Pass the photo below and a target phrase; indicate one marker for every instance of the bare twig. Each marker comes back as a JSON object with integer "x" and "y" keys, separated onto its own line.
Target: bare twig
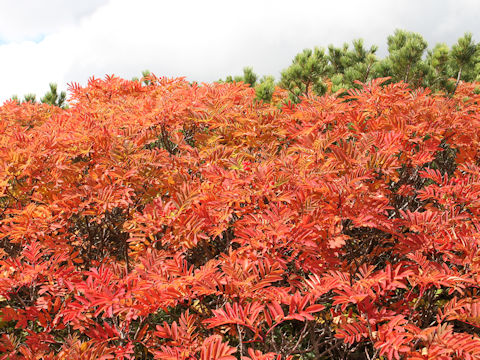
{"x": 300, "y": 338}
{"x": 240, "y": 341}
{"x": 370, "y": 332}
{"x": 333, "y": 347}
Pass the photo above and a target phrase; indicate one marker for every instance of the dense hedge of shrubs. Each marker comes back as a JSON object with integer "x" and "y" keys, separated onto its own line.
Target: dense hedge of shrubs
{"x": 171, "y": 220}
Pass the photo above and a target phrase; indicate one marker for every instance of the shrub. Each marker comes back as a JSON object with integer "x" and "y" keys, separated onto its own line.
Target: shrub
{"x": 171, "y": 220}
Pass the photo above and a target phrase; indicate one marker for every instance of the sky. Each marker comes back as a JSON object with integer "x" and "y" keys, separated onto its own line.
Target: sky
{"x": 65, "y": 41}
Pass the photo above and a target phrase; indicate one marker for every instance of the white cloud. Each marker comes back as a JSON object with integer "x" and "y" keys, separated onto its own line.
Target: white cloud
{"x": 202, "y": 40}
{"x": 32, "y": 20}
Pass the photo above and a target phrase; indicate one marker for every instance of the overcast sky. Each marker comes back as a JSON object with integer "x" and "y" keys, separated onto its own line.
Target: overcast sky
{"x": 67, "y": 41}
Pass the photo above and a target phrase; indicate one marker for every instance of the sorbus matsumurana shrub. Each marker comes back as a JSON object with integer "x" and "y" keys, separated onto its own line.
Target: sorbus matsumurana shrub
{"x": 172, "y": 220}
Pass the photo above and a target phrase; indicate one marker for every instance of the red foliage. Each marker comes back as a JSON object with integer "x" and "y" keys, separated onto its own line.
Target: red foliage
{"x": 184, "y": 221}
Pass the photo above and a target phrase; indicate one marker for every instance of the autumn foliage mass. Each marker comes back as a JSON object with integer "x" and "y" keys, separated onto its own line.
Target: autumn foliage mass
{"x": 169, "y": 220}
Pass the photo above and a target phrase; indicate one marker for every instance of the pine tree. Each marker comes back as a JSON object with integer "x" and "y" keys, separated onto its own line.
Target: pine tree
{"x": 350, "y": 65}
{"x": 30, "y": 98}
{"x": 306, "y": 74}
{"x": 404, "y": 62}
{"x": 27, "y": 98}
{"x": 440, "y": 71}
{"x": 146, "y": 77}
{"x": 52, "y": 97}
{"x": 248, "y": 77}
{"x": 265, "y": 88}
{"x": 464, "y": 56}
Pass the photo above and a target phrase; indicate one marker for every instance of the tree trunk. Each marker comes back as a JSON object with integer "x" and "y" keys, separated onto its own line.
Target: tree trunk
{"x": 458, "y": 80}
